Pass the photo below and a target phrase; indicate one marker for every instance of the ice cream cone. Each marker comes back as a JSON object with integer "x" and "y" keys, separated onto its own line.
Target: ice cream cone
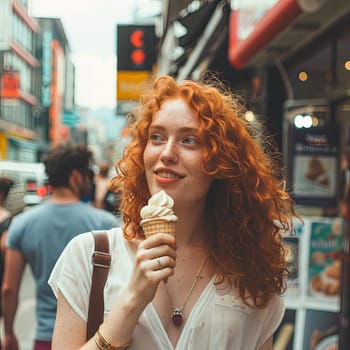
{"x": 156, "y": 226}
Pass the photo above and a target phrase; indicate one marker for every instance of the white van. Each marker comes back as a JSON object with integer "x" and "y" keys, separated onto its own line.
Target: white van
{"x": 30, "y": 184}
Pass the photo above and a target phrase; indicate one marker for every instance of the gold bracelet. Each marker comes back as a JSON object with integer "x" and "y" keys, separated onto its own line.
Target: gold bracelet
{"x": 103, "y": 344}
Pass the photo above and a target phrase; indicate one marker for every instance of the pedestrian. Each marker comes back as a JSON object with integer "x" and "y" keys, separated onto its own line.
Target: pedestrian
{"x": 5, "y": 219}
{"x": 217, "y": 283}
{"x": 101, "y": 185}
{"x": 39, "y": 235}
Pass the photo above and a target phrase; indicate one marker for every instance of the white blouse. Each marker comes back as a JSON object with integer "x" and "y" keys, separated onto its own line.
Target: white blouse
{"x": 215, "y": 322}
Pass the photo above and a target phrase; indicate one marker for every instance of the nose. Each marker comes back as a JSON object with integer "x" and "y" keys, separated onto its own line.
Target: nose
{"x": 169, "y": 152}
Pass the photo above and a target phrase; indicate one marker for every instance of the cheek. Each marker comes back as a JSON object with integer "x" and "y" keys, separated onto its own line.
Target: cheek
{"x": 148, "y": 157}
{"x": 206, "y": 181}
{"x": 203, "y": 179}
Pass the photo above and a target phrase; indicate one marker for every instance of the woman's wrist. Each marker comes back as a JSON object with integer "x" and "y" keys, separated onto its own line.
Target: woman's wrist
{"x": 104, "y": 344}
{"x": 132, "y": 302}
{"x": 119, "y": 326}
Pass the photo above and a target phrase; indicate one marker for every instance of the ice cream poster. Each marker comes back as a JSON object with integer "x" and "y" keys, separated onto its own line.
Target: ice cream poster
{"x": 314, "y": 166}
{"x": 325, "y": 256}
{"x": 291, "y": 245}
{"x": 321, "y": 331}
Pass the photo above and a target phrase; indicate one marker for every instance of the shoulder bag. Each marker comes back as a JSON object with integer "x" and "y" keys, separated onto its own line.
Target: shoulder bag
{"x": 101, "y": 260}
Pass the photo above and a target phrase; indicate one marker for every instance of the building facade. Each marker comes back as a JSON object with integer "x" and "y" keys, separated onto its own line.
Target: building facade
{"x": 37, "y": 101}
{"x": 56, "y": 78}
{"x": 19, "y": 96}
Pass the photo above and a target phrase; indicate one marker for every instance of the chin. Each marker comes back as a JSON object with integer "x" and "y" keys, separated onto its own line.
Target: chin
{"x": 157, "y": 189}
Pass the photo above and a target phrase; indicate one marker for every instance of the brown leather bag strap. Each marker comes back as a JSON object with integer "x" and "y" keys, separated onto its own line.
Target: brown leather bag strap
{"x": 101, "y": 261}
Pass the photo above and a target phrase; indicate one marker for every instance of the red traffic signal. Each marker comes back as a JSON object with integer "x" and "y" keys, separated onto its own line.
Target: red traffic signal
{"x": 137, "y": 55}
{"x": 136, "y": 38}
{"x": 136, "y": 47}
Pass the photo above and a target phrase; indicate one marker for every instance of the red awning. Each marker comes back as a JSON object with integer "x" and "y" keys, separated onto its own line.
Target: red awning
{"x": 278, "y": 18}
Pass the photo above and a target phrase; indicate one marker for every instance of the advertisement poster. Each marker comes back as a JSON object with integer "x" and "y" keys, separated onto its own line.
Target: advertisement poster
{"x": 314, "y": 166}
{"x": 325, "y": 259}
{"x": 321, "y": 330}
{"x": 291, "y": 245}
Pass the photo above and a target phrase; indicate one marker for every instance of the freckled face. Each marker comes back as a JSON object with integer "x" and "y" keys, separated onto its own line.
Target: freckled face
{"x": 173, "y": 154}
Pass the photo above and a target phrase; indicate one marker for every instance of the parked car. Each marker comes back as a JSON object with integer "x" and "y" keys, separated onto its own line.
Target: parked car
{"x": 30, "y": 184}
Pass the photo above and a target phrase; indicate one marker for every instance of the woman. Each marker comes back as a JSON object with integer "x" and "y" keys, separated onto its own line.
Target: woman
{"x": 225, "y": 268}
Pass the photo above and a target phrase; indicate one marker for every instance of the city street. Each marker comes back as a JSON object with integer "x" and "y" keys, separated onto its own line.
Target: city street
{"x": 238, "y": 110}
{"x": 25, "y": 317}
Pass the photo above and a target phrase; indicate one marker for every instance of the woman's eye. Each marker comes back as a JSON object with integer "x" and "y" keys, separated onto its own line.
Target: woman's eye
{"x": 156, "y": 137}
{"x": 190, "y": 141}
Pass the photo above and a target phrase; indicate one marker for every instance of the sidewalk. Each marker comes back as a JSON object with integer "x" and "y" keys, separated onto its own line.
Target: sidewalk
{"x": 25, "y": 317}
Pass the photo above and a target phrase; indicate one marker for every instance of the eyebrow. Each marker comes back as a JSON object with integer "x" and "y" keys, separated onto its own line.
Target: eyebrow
{"x": 183, "y": 129}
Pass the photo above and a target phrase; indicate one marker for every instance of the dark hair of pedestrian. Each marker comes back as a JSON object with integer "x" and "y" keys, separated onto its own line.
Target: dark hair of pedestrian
{"x": 5, "y": 184}
{"x": 63, "y": 159}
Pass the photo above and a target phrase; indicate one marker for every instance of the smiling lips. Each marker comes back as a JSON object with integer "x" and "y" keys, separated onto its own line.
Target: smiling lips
{"x": 167, "y": 176}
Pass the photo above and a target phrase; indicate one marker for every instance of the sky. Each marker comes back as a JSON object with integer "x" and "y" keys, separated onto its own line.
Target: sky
{"x": 90, "y": 29}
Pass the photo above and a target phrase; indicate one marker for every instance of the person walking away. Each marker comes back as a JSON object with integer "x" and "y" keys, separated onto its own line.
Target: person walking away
{"x": 101, "y": 185}
{"x": 5, "y": 219}
{"x": 38, "y": 236}
{"x": 215, "y": 284}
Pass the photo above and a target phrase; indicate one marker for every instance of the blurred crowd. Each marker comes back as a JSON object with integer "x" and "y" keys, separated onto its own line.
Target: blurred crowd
{"x": 80, "y": 202}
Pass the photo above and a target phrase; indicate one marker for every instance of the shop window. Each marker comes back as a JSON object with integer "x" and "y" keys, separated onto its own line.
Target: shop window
{"x": 343, "y": 60}
{"x": 311, "y": 75}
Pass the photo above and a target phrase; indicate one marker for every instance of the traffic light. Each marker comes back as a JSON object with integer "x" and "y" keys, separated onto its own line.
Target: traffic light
{"x": 136, "y": 47}
{"x": 138, "y": 55}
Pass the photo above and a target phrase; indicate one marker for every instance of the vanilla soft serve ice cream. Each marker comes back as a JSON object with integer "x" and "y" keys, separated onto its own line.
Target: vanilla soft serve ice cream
{"x": 160, "y": 206}
{"x": 158, "y": 215}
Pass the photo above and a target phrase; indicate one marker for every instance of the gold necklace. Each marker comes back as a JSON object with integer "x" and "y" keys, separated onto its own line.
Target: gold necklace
{"x": 177, "y": 315}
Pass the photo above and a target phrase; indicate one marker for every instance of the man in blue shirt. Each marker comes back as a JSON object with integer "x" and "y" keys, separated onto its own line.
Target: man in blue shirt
{"x": 38, "y": 237}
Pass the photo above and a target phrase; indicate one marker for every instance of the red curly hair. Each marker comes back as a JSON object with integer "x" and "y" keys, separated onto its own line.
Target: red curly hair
{"x": 247, "y": 206}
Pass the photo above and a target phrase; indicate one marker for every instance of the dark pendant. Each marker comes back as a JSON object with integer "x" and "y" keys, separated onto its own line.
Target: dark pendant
{"x": 177, "y": 318}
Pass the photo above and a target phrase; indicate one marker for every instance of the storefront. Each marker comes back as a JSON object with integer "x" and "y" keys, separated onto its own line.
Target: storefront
{"x": 308, "y": 43}
{"x": 17, "y": 143}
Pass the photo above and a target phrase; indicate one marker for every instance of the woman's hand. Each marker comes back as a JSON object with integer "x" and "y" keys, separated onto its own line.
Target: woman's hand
{"x": 154, "y": 261}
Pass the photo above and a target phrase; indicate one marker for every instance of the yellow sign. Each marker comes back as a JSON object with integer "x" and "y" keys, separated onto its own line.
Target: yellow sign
{"x": 3, "y": 146}
{"x": 132, "y": 84}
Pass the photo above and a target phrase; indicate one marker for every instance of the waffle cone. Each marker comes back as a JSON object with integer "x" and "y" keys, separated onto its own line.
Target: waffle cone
{"x": 155, "y": 226}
